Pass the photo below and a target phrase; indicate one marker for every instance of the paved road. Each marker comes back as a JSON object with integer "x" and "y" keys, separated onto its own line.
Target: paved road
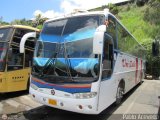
{"x": 143, "y": 99}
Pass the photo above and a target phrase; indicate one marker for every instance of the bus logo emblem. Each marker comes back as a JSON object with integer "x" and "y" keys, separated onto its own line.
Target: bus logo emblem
{"x": 52, "y": 92}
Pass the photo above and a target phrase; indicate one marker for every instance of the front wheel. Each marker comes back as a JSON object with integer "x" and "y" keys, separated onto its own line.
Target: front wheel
{"x": 119, "y": 95}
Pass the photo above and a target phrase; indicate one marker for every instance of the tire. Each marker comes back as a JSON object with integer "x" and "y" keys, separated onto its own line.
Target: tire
{"x": 28, "y": 84}
{"x": 140, "y": 82}
{"x": 120, "y": 93}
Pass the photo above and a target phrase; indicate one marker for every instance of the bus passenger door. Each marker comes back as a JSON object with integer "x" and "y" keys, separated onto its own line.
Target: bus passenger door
{"x": 16, "y": 74}
{"x": 107, "y": 57}
{"x": 107, "y": 85}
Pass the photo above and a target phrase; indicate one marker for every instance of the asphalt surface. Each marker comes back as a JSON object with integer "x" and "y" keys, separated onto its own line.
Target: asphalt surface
{"x": 140, "y": 103}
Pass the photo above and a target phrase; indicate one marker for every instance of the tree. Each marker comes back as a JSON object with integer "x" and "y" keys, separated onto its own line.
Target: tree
{"x": 22, "y": 22}
{"x": 113, "y": 9}
{"x": 141, "y": 2}
{"x": 2, "y": 22}
{"x": 38, "y": 21}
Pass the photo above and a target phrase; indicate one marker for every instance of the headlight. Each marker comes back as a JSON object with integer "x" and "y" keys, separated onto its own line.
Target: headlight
{"x": 85, "y": 95}
{"x": 33, "y": 86}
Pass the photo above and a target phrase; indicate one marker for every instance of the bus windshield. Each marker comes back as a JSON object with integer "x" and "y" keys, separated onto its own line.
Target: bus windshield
{"x": 5, "y": 34}
{"x": 3, "y": 50}
{"x": 72, "y": 40}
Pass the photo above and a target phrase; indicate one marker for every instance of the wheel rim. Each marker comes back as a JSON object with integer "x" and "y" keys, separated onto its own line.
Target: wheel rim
{"x": 119, "y": 94}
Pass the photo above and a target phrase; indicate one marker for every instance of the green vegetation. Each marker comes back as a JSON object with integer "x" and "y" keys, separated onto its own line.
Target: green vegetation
{"x": 37, "y": 22}
{"x": 144, "y": 23}
{"x": 134, "y": 22}
{"x": 2, "y": 22}
{"x": 22, "y": 22}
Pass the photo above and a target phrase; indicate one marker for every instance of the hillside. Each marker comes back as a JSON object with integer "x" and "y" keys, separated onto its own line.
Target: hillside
{"x": 144, "y": 23}
{"x": 133, "y": 18}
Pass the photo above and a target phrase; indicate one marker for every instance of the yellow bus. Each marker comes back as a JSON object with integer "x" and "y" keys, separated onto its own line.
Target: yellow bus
{"x": 15, "y": 67}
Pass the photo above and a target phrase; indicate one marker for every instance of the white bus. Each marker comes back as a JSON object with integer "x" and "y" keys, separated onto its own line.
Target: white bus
{"x": 84, "y": 62}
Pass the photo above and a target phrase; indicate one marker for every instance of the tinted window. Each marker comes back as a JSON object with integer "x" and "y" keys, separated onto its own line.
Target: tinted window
{"x": 82, "y": 23}
{"x": 19, "y": 34}
{"x": 45, "y": 49}
{"x": 80, "y": 49}
{"x": 30, "y": 44}
{"x": 126, "y": 43}
{"x": 5, "y": 34}
{"x": 54, "y": 27}
{"x": 3, "y": 50}
{"x": 111, "y": 30}
{"x": 15, "y": 59}
{"x": 71, "y": 25}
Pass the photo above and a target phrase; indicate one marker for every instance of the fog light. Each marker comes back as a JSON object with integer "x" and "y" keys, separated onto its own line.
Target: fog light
{"x": 89, "y": 106}
{"x": 80, "y": 107}
{"x": 33, "y": 95}
{"x": 61, "y": 104}
{"x": 44, "y": 99}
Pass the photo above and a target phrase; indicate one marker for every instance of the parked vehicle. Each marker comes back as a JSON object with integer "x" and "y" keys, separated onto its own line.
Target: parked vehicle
{"x": 84, "y": 62}
{"x": 15, "y": 67}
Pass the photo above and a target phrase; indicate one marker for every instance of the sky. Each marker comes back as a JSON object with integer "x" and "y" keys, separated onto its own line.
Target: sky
{"x": 28, "y": 9}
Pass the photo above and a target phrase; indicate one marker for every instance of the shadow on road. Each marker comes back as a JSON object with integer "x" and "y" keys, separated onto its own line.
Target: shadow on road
{"x": 48, "y": 113}
{"x": 5, "y": 96}
{"x": 159, "y": 109}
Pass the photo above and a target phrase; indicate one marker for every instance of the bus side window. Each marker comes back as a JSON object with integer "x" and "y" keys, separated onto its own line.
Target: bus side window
{"x": 15, "y": 59}
{"x": 29, "y": 51}
{"x": 111, "y": 29}
{"x": 28, "y": 58}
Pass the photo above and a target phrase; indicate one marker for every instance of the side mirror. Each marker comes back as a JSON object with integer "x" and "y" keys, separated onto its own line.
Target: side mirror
{"x": 155, "y": 48}
{"x": 24, "y": 39}
{"x": 98, "y": 39}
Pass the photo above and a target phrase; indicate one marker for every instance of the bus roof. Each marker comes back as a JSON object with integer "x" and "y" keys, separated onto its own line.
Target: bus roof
{"x": 77, "y": 14}
{"x": 20, "y": 26}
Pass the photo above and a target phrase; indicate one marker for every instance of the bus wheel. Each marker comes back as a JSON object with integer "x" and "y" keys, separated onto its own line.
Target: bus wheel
{"x": 140, "y": 82}
{"x": 119, "y": 95}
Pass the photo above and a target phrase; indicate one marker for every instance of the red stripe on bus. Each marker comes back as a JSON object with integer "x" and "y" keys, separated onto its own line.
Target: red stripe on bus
{"x": 136, "y": 73}
{"x": 3, "y": 48}
{"x": 1, "y": 60}
{"x": 141, "y": 71}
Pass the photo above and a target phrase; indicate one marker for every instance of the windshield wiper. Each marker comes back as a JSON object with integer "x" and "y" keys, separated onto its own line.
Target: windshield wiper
{"x": 68, "y": 67}
{"x": 50, "y": 60}
{"x": 68, "y": 63}
{"x": 35, "y": 68}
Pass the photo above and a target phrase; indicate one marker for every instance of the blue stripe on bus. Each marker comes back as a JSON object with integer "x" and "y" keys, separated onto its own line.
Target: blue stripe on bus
{"x": 69, "y": 90}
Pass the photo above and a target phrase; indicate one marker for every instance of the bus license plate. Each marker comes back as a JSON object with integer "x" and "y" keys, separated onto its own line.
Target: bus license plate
{"x": 52, "y": 102}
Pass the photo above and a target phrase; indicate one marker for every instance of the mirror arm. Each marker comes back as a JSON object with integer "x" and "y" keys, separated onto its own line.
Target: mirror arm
{"x": 24, "y": 39}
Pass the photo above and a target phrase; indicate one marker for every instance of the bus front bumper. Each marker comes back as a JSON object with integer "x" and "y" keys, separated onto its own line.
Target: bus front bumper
{"x": 85, "y": 106}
